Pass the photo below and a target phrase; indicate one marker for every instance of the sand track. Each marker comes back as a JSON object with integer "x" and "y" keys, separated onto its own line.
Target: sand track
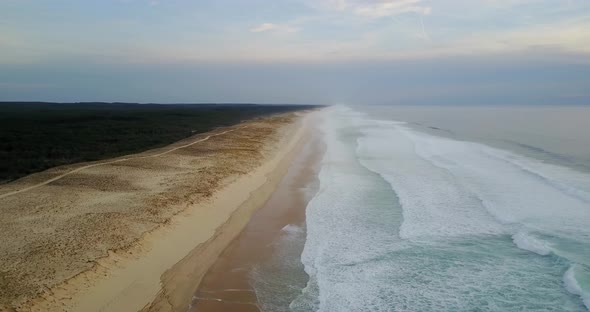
{"x": 112, "y": 162}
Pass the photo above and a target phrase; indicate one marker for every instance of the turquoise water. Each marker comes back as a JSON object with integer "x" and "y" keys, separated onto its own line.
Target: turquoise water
{"x": 410, "y": 219}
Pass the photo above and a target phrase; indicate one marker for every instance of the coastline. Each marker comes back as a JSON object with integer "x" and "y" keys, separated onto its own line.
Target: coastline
{"x": 228, "y": 285}
{"x": 249, "y": 194}
{"x": 161, "y": 270}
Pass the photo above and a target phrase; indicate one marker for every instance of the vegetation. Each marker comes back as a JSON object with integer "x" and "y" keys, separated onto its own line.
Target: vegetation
{"x": 38, "y": 136}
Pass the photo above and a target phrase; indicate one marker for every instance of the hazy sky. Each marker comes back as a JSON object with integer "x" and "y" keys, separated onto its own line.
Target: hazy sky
{"x": 296, "y": 51}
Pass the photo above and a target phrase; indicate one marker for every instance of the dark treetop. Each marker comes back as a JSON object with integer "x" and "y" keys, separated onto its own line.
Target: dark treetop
{"x": 38, "y": 136}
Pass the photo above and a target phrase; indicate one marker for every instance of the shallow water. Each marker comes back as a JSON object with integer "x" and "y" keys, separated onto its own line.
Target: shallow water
{"x": 418, "y": 212}
{"x": 410, "y": 218}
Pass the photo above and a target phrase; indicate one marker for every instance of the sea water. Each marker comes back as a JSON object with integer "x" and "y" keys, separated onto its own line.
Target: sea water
{"x": 418, "y": 211}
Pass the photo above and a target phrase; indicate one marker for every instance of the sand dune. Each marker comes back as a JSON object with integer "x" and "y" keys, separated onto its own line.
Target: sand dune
{"x": 137, "y": 232}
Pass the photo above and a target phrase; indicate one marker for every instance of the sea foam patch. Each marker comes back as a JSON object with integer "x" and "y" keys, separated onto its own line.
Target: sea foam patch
{"x": 529, "y": 242}
{"x": 572, "y": 280}
{"x": 408, "y": 221}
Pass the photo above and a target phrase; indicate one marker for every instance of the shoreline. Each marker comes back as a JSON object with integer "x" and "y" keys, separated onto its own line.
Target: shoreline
{"x": 191, "y": 269}
{"x": 228, "y": 284}
{"x": 161, "y": 270}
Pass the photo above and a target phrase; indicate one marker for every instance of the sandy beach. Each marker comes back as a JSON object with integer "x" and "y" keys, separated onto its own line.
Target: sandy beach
{"x": 138, "y": 232}
{"x": 228, "y": 286}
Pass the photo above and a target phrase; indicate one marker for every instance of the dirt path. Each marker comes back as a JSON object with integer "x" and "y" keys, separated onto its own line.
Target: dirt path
{"x": 112, "y": 162}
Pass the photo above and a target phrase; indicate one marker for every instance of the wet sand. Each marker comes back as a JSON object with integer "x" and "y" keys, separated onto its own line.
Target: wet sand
{"x": 227, "y": 285}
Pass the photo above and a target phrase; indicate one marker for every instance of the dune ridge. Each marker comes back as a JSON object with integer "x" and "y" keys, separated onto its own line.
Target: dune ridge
{"x": 116, "y": 236}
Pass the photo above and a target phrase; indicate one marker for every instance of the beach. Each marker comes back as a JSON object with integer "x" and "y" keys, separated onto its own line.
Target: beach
{"x": 138, "y": 232}
{"x": 230, "y": 284}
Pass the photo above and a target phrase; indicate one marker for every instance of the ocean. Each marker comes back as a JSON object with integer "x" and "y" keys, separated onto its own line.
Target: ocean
{"x": 438, "y": 208}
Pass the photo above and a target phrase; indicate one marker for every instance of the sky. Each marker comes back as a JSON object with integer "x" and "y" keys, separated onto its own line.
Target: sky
{"x": 296, "y": 51}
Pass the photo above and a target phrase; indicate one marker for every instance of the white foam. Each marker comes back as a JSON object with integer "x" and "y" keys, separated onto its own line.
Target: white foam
{"x": 571, "y": 182}
{"x": 572, "y": 285}
{"x": 292, "y": 229}
{"x": 434, "y": 202}
{"x": 340, "y": 231}
{"x": 508, "y": 192}
{"x": 528, "y": 242}
{"x": 450, "y": 252}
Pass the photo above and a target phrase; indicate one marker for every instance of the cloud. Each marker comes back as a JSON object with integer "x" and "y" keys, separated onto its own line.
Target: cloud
{"x": 391, "y": 8}
{"x": 379, "y": 8}
{"x": 275, "y": 28}
{"x": 335, "y": 30}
